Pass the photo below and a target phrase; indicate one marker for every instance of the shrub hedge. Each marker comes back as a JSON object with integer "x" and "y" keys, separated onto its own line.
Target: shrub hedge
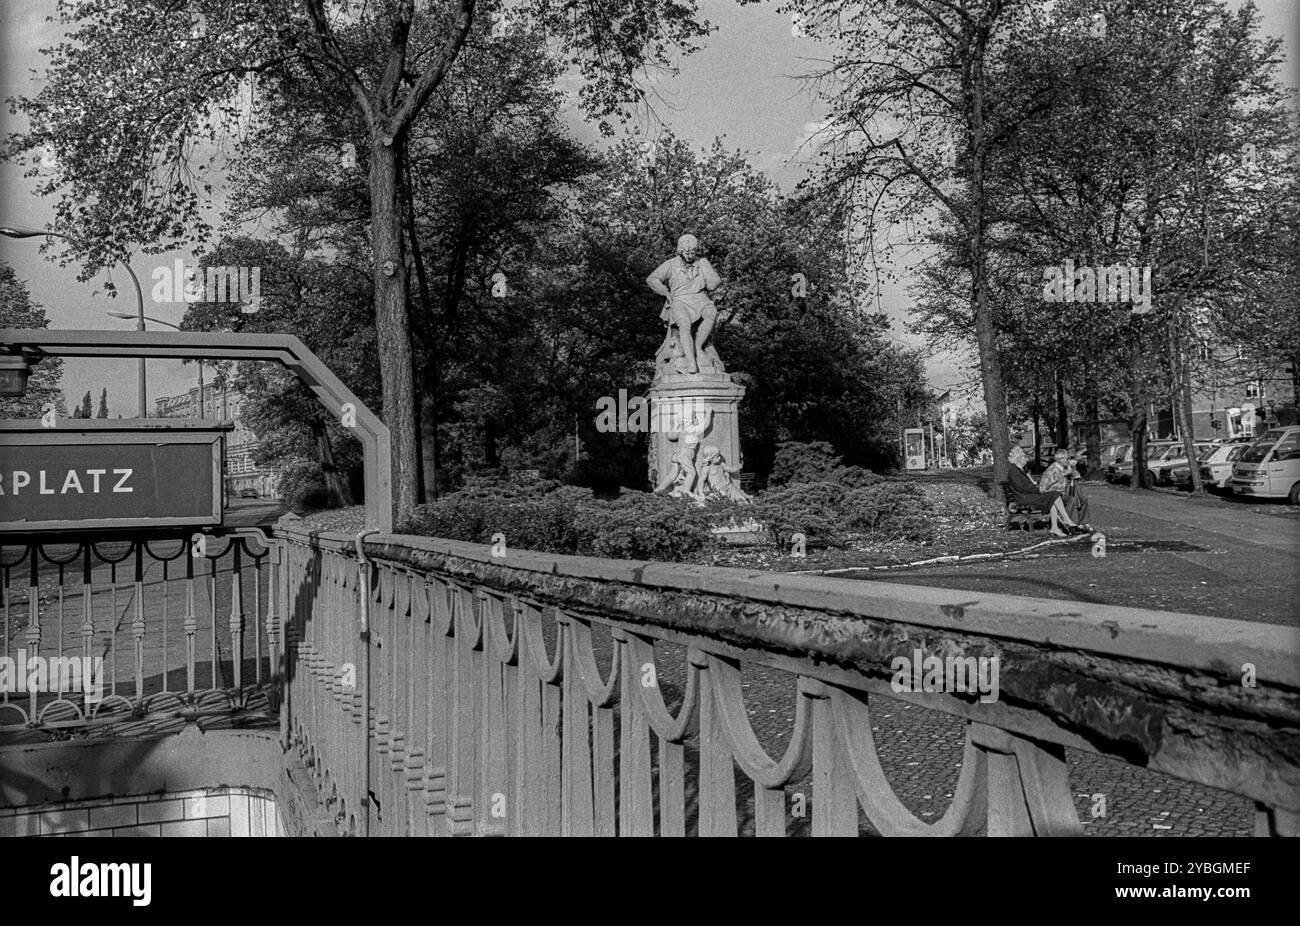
{"x": 567, "y": 519}
{"x": 540, "y": 514}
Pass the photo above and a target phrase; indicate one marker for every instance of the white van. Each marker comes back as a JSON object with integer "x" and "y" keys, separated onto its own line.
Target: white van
{"x": 1270, "y": 467}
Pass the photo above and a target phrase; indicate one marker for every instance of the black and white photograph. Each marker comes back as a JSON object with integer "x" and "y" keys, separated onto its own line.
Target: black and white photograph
{"x": 594, "y": 418}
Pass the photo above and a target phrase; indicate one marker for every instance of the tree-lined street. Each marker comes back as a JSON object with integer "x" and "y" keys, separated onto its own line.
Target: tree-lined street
{"x": 1163, "y": 551}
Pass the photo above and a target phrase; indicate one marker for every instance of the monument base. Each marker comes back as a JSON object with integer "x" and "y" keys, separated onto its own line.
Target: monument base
{"x": 675, "y": 399}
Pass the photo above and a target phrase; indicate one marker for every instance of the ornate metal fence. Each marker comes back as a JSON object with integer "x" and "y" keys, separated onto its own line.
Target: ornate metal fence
{"x": 435, "y": 689}
{"x": 163, "y": 627}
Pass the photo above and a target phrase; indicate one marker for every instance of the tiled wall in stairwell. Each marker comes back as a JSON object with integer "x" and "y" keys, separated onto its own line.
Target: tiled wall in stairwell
{"x": 207, "y": 812}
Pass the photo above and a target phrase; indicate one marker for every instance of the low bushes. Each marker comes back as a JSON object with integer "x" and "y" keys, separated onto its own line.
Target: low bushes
{"x": 566, "y": 519}
{"x": 797, "y": 462}
{"x": 848, "y": 504}
{"x": 832, "y": 512}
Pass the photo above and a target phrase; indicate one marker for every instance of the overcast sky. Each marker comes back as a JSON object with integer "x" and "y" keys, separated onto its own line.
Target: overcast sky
{"x": 741, "y": 86}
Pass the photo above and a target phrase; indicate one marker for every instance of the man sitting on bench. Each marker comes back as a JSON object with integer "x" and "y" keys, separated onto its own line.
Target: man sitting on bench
{"x": 1026, "y": 493}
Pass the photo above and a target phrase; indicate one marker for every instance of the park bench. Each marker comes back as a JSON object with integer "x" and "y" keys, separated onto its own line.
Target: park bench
{"x": 1020, "y": 514}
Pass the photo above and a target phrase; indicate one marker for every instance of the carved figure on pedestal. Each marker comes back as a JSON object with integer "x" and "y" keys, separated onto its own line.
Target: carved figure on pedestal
{"x": 716, "y": 477}
{"x": 685, "y": 282}
{"x": 682, "y": 474}
{"x": 669, "y": 358}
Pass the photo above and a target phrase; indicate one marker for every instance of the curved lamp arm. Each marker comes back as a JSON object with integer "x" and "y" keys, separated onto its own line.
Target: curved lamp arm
{"x": 10, "y": 231}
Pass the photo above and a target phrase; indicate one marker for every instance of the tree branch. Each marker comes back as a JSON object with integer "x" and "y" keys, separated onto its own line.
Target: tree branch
{"x": 334, "y": 59}
{"x": 433, "y": 76}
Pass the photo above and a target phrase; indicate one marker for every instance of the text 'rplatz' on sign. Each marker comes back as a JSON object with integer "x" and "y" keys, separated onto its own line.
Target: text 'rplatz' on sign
{"x": 42, "y": 482}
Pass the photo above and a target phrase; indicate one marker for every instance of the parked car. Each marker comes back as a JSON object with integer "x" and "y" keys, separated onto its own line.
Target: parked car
{"x": 1270, "y": 467}
{"x": 1104, "y": 459}
{"x": 1121, "y": 458}
{"x": 248, "y": 493}
{"x": 1122, "y": 471}
{"x": 1215, "y": 464}
{"x": 1173, "y": 456}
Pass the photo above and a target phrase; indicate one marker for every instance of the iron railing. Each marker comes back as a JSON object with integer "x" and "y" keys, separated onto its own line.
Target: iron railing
{"x": 175, "y": 626}
{"x": 434, "y": 689}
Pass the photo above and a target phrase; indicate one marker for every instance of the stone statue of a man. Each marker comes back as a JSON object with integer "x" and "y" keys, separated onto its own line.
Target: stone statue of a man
{"x": 685, "y": 281}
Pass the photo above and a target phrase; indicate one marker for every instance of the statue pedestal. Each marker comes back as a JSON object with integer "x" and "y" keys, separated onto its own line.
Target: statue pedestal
{"x": 673, "y": 399}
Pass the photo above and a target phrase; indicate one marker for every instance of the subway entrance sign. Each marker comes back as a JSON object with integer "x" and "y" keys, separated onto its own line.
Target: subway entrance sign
{"x": 107, "y": 475}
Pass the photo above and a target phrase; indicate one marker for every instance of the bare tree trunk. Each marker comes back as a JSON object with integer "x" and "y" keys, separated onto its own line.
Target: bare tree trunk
{"x": 1092, "y": 429}
{"x": 995, "y": 399}
{"x": 1138, "y": 426}
{"x": 392, "y": 325}
{"x": 338, "y": 488}
{"x": 1184, "y": 404}
{"x": 429, "y": 426}
{"x": 389, "y": 121}
{"x": 1062, "y": 416}
{"x": 427, "y": 372}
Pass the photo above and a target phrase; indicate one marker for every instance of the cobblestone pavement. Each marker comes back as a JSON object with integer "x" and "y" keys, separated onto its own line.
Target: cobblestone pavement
{"x": 921, "y": 752}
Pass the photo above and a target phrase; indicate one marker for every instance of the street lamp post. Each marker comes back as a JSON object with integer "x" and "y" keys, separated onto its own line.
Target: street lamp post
{"x": 11, "y": 231}
{"x": 159, "y": 321}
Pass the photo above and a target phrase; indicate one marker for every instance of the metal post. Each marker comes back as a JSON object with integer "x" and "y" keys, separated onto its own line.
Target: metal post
{"x": 363, "y": 566}
{"x": 139, "y": 305}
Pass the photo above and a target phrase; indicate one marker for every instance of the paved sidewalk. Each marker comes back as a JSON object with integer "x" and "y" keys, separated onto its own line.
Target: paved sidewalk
{"x": 1260, "y": 523}
{"x": 1164, "y": 551}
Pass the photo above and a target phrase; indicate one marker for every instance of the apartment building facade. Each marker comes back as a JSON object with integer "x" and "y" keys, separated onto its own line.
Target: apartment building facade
{"x": 220, "y": 403}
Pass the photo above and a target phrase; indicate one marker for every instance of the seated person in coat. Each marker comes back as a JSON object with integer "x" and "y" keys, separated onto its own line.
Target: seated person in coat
{"x": 1026, "y": 492}
{"x": 1058, "y": 478}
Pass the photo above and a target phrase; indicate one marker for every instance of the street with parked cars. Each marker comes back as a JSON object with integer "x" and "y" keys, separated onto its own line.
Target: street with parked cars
{"x": 1266, "y": 466}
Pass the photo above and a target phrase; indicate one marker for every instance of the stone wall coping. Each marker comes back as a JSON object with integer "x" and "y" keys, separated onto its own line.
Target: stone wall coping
{"x": 1188, "y": 641}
